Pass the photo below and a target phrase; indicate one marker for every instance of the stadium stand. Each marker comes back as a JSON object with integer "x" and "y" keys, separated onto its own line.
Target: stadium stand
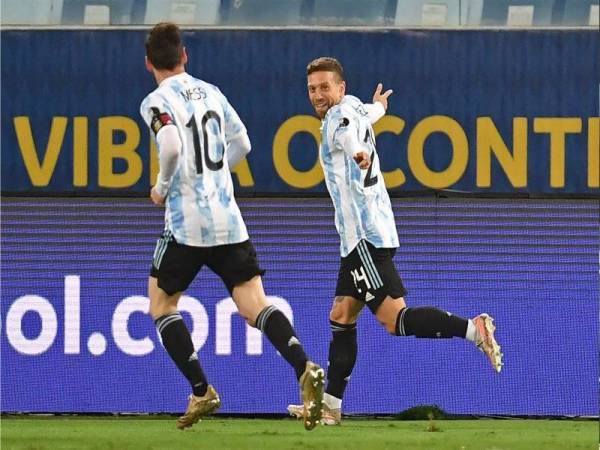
{"x": 388, "y": 13}
{"x": 31, "y": 12}
{"x": 263, "y": 12}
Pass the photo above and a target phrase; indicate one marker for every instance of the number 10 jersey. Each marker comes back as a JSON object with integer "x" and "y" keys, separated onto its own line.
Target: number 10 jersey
{"x": 201, "y": 210}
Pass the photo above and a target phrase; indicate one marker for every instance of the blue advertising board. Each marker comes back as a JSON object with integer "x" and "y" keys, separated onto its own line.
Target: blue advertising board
{"x": 75, "y": 330}
{"x": 510, "y": 112}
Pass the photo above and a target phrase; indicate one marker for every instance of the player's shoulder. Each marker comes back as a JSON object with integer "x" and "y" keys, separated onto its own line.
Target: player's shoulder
{"x": 353, "y": 106}
{"x": 152, "y": 99}
{"x": 209, "y": 88}
{"x": 350, "y": 101}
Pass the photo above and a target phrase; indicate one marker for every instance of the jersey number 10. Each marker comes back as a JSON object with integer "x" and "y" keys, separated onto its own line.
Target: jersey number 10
{"x": 210, "y": 164}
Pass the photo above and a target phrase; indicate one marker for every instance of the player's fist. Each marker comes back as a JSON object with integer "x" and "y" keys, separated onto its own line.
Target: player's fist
{"x": 157, "y": 199}
{"x": 382, "y": 98}
{"x": 362, "y": 159}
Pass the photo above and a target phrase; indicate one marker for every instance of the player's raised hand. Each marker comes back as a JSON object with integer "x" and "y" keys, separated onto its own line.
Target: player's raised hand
{"x": 157, "y": 199}
{"x": 362, "y": 159}
{"x": 382, "y": 98}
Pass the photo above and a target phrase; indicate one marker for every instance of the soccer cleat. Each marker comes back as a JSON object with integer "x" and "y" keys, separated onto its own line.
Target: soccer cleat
{"x": 329, "y": 417}
{"x": 199, "y": 407}
{"x": 311, "y": 388}
{"x": 486, "y": 341}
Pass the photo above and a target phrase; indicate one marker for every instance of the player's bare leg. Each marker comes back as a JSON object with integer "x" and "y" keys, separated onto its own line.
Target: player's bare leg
{"x": 161, "y": 303}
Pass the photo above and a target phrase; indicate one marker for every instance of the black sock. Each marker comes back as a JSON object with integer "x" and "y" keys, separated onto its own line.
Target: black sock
{"x": 278, "y": 329}
{"x": 178, "y": 343}
{"x": 428, "y": 322}
{"x": 342, "y": 357}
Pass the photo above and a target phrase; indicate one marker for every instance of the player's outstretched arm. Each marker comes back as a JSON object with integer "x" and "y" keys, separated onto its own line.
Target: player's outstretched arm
{"x": 377, "y": 109}
{"x": 382, "y": 98}
{"x": 346, "y": 139}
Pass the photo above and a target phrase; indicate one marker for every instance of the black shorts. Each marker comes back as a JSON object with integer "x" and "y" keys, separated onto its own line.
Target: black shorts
{"x": 369, "y": 275}
{"x": 176, "y": 265}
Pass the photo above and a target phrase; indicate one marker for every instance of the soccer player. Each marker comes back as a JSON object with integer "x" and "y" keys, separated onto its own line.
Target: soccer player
{"x": 199, "y": 137}
{"x": 365, "y": 223}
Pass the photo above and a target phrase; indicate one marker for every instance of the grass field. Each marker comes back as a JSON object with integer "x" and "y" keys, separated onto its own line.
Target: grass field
{"x": 120, "y": 433}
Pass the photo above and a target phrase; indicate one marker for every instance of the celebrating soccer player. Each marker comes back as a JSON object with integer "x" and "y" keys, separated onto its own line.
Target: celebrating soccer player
{"x": 199, "y": 137}
{"x": 365, "y": 223}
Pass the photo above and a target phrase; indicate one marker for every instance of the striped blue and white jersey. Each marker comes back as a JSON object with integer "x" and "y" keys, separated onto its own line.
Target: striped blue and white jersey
{"x": 362, "y": 204}
{"x": 201, "y": 210}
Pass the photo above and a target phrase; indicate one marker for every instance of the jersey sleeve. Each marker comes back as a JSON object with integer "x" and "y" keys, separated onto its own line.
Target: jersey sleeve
{"x": 375, "y": 111}
{"x": 346, "y": 136}
{"x": 156, "y": 113}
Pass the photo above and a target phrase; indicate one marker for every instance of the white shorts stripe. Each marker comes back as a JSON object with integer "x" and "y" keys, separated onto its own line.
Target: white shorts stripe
{"x": 161, "y": 247}
{"x": 365, "y": 257}
{"x": 366, "y": 263}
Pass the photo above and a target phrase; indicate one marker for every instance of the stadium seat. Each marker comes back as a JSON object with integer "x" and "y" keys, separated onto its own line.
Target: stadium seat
{"x": 183, "y": 12}
{"x": 428, "y": 13}
{"x": 97, "y": 12}
{"x": 31, "y": 12}
{"x": 580, "y": 13}
{"x": 471, "y": 12}
{"x": 264, "y": 12}
{"x": 344, "y": 12}
{"x": 519, "y": 13}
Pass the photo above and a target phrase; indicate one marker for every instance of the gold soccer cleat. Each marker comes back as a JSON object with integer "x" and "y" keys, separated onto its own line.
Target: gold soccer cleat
{"x": 199, "y": 407}
{"x": 311, "y": 387}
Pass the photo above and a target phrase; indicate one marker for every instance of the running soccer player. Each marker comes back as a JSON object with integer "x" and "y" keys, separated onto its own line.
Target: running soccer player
{"x": 365, "y": 223}
{"x": 199, "y": 137}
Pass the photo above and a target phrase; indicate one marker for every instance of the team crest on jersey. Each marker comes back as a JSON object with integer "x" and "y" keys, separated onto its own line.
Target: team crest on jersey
{"x": 159, "y": 119}
{"x": 344, "y": 122}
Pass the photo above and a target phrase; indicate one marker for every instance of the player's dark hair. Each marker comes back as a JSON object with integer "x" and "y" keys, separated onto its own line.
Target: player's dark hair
{"x": 326, "y": 64}
{"x": 164, "y": 46}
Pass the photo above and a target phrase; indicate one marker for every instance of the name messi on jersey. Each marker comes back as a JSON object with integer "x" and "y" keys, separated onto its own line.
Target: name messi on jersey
{"x": 195, "y": 93}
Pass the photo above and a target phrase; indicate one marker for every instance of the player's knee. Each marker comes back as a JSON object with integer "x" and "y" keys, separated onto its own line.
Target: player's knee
{"x": 388, "y": 312}
{"x": 158, "y": 309}
{"x": 250, "y": 319}
{"x": 343, "y": 312}
{"x": 388, "y": 323}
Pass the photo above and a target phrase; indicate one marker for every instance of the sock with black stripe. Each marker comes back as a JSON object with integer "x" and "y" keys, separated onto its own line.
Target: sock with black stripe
{"x": 279, "y": 331}
{"x": 429, "y": 322}
{"x": 178, "y": 343}
{"x": 342, "y": 357}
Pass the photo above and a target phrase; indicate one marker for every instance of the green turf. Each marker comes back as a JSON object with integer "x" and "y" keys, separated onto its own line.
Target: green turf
{"x": 279, "y": 434}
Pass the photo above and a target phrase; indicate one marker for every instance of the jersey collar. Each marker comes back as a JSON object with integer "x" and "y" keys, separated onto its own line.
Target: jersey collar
{"x": 179, "y": 76}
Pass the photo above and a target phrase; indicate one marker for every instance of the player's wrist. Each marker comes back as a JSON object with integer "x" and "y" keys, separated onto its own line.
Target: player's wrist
{"x": 161, "y": 188}
{"x": 381, "y": 105}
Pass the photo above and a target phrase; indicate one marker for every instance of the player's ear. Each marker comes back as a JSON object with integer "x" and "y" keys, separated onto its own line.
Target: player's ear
{"x": 343, "y": 88}
{"x": 184, "y": 58}
{"x": 148, "y": 64}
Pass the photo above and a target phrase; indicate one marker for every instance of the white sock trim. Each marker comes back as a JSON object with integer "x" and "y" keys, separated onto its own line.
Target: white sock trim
{"x": 471, "y": 332}
{"x": 331, "y": 401}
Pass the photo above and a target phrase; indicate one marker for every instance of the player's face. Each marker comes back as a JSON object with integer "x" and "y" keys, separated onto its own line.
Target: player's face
{"x": 325, "y": 90}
